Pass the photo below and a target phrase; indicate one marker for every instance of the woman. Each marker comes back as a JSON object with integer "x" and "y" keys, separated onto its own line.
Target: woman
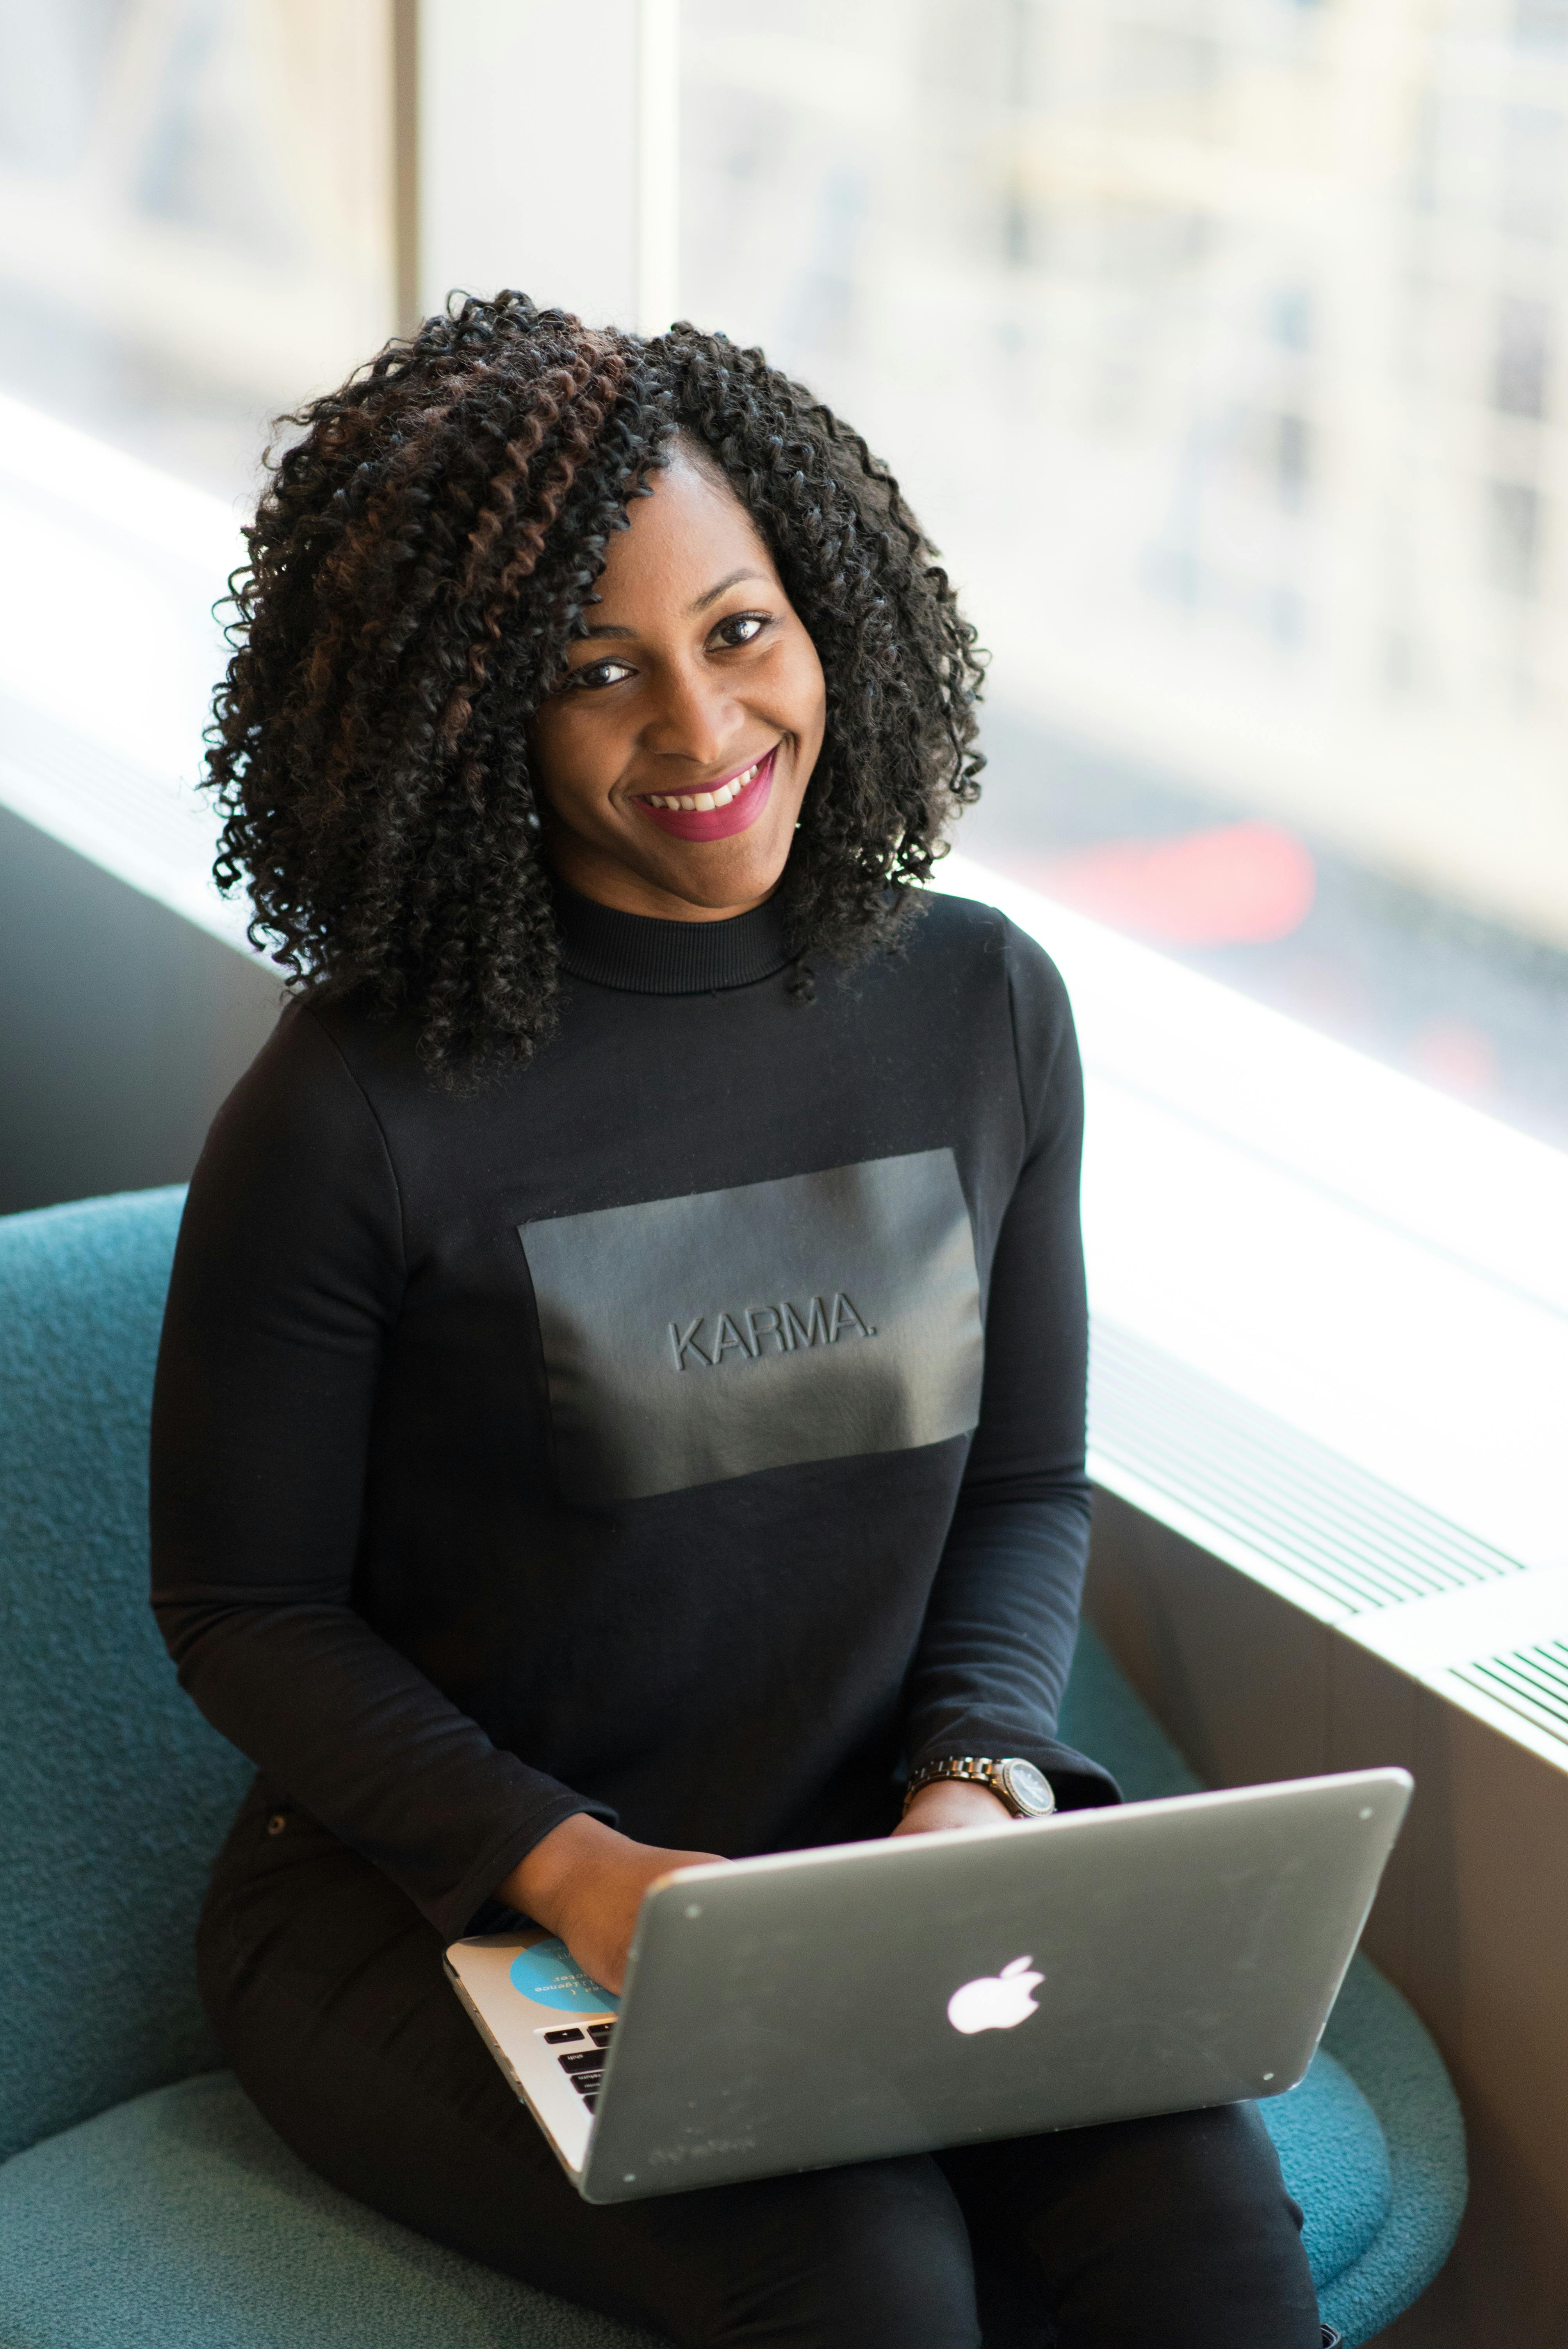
{"x": 574, "y": 1449}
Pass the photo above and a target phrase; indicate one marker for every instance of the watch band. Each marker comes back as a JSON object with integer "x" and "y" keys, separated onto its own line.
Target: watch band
{"x": 1025, "y": 1790}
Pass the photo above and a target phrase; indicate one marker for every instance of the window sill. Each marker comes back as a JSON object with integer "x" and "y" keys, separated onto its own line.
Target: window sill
{"x": 1331, "y": 1323}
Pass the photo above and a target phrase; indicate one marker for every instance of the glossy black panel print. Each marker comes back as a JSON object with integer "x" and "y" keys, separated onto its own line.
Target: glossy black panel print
{"x": 687, "y": 1340}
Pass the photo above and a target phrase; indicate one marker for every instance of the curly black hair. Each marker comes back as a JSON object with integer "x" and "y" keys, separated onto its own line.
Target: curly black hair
{"x": 423, "y": 555}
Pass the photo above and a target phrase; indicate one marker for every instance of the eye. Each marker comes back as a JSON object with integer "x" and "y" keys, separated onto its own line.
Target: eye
{"x": 594, "y": 676}
{"x": 740, "y": 628}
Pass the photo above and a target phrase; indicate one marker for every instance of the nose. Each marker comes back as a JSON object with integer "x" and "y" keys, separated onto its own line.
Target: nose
{"x": 695, "y": 716}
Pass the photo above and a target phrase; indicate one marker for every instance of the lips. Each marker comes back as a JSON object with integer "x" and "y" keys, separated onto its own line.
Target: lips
{"x": 732, "y": 803}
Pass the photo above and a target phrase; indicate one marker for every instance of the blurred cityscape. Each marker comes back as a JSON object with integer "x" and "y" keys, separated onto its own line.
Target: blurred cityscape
{"x": 1217, "y": 342}
{"x": 195, "y": 216}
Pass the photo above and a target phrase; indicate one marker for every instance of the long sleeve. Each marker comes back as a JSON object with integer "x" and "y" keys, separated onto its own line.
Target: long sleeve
{"x": 1000, "y": 1627}
{"x": 416, "y": 1336}
{"x": 288, "y": 1283}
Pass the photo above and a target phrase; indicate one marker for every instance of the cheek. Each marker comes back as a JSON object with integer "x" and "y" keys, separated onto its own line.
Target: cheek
{"x": 808, "y": 691}
{"x": 566, "y": 757}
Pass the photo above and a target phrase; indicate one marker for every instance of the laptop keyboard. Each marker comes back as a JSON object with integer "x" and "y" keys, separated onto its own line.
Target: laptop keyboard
{"x": 582, "y": 2057}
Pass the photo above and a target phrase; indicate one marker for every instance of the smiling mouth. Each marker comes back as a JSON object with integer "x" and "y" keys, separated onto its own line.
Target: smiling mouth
{"x": 720, "y": 796}
{"x": 726, "y": 807}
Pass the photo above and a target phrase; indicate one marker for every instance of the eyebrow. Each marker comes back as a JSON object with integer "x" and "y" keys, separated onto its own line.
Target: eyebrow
{"x": 701, "y": 605}
{"x": 734, "y": 580}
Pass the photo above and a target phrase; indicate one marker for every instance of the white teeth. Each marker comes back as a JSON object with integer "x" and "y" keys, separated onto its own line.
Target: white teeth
{"x": 704, "y": 800}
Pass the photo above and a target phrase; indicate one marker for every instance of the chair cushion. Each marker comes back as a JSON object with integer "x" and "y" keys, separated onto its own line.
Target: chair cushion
{"x": 1335, "y": 2157}
{"x": 1372, "y": 2143}
{"x": 113, "y": 1778}
{"x": 181, "y": 2219}
{"x": 1387, "y": 2050}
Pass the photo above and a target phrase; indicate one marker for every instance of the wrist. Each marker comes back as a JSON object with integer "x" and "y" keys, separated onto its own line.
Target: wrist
{"x": 1019, "y": 1785}
{"x": 950, "y": 1803}
{"x": 543, "y": 1882}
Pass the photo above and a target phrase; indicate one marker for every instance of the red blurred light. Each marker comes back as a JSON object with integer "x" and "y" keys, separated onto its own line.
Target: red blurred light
{"x": 1230, "y": 885}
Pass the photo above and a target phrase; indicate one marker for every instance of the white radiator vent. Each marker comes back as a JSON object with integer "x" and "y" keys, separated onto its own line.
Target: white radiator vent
{"x": 1531, "y": 1682}
{"x": 1351, "y": 1537}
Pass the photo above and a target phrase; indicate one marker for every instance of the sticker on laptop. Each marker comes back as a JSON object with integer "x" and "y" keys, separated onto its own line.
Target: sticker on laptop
{"x": 549, "y": 1974}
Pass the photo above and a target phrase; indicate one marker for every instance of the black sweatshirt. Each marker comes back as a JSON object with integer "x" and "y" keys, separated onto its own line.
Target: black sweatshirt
{"x": 620, "y": 1436}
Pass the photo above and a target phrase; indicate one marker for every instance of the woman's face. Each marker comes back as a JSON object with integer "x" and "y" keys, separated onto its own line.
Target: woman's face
{"x": 674, "y": 759}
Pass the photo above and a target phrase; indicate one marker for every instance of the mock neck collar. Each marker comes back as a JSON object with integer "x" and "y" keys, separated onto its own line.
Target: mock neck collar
{"x": 646, "y": 956}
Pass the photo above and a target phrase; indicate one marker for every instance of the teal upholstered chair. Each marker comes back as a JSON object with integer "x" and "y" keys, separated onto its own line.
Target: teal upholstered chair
{"x": 142, "y": 2200}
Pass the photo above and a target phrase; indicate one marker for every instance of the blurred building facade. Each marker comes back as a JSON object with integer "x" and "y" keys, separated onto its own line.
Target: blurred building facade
{"x": 197, "y": 215}
{"x": 1217, "y": 342}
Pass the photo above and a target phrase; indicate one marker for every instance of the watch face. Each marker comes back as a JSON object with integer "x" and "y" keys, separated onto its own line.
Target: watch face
{"x": 1029, "y": 1787}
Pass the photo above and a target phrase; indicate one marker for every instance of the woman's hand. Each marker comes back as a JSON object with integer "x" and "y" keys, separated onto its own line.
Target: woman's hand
{"x": 954, "y": 1803}
{"x": 585, "y": 1883}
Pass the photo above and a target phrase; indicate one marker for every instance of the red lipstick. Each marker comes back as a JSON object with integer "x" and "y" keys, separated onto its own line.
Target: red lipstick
{"x": 750, "y": 788}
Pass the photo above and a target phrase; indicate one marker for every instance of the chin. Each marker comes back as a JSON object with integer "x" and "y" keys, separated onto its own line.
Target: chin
{"x": 738, "y": 889}
{"x": 704, "y": 878}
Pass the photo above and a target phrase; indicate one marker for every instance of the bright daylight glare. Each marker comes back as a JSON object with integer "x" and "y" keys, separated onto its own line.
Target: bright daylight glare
{"x": 1218, "y": 342}
{"x": 1220, "y": 346}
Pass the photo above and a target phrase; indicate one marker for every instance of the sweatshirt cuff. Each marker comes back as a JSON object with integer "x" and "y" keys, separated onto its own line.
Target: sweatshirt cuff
{"x": 462, "y": 1911}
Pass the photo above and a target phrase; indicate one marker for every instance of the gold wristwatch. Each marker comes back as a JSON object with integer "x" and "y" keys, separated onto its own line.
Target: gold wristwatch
{"x": 1026, "y": 1791}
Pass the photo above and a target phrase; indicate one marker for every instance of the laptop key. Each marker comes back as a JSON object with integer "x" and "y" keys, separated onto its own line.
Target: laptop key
{"x": 588, "y": 2083}
{"x": 585, "y": 2059}
{"x": 554, "y": 2038}
{"x": 599, "y": 2032}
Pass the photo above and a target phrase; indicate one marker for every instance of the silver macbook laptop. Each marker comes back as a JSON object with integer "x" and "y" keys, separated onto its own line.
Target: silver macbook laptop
{"x": 836, "y": 2005}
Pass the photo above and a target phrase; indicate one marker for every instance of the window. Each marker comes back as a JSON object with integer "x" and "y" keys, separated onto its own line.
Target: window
{"x": 196, "y": 215}
{"x": 196, "y": 233}
{"x": 1217, "y": 347}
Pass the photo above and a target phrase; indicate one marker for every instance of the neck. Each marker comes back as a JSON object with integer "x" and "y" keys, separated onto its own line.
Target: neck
{"x": 651, "y": 954}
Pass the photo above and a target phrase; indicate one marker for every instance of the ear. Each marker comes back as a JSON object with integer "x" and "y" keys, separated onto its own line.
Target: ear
{"x": 1018, "y": 1966}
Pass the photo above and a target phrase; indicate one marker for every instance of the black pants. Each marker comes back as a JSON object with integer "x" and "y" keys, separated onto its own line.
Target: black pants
{"x": 327, "y": 1990}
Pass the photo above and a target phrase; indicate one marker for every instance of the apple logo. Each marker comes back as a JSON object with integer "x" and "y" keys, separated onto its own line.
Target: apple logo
{"x": 996, "y": 2001}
